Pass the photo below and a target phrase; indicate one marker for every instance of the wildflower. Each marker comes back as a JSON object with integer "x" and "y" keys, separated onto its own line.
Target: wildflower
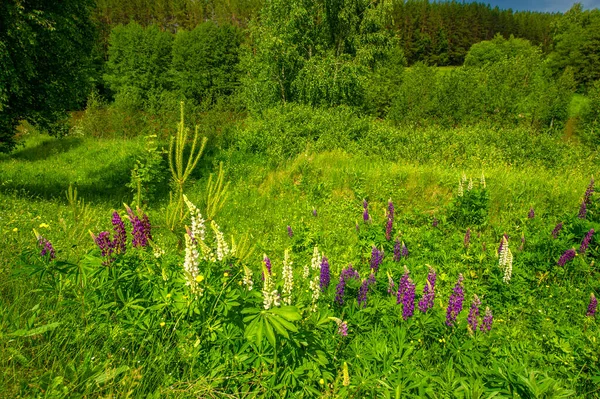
{"x": 191, "y": 263}
{"x": 364, "y": 289}
{"x": 488, "y": 319}
{"x": 591, "y": 312}
{"x": 531, "y": 213}
{"x": 222, "y": 247}
{"x": 288, "y": 278}
{"x": 557, "y": 230}
{"x": 504, "y": 237}
{"x": 473, "y": 314}
{"x": 397, "y": 251}
{"x": 15, "y": 230}
{"x": 404, "y": 250}
{"x": 141, "y": 228}
{"x": 582, "y": 210}
{"x": 408, "y": 300}
{"x": 505, "y": 260}
{"x": 470, "y": 186}
{"x": 325, "y": 276}
{"x": 290, "y": 232}
{"x": 390, "y": 210}
{"x": 315, "y": 262}
{"x": 391, "y": 284}
{"x": 482, "y": 181}
{"x": 435, "y": 222}
{"x": 47, "y": 248}
{"x": 402, "y": 285}
{"x": 314, "y": 212}
{"x": 428, "y": 298}
{"x": 455, "y": 304}
{"x": 463, "y": 178}
{"x": 345, "y": 375}
{"x": 120, "y": 237}
{"x": 342, "y": 327}
{"x": 44, "y": 225}
{"x": 388, "y": 229}
{"x": 315, "y": 288}
{"x": 247, "y": 279}
{"x": 460, "y": 189}
{"x": 267, "y": 262}
{"x": 467, "y": 238}
{"x": 587, "y": 197}
{"x": 104, "y": 243}
{"x": 270, "y": 294}
{"x": 376, "y": 259}
{"x": 162, "y": 323}
{"x": 366, "y": 216}
{"x": 566, "y": 257}
{"x": 586, "y": 241}
{"x": 198, "y": 228}
{"x": 347, "y": 273}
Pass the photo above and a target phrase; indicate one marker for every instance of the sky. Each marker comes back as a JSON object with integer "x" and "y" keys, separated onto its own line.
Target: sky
{"x": 541, "y": 5}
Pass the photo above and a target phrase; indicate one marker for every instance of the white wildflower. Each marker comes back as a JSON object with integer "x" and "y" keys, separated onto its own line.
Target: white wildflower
{"x": 460, "y": 188}
{"x": 198, "y": 229}
{"x": 222, "y": 247}
{"x": 316, "y": 259}
{"x": 482, "y": 182}
{"x": 505, "y": 260}
{"x": 191, "y": 263}
{"x": 470, "y": 186}
{"x": 270, "y": 294}
{"x": 315, "y": 288}
{"x": 247, "y": 279}
{"x": 288, "y": 278}
{"x": 464, "y": 178}
{"x": 305, "y": 272}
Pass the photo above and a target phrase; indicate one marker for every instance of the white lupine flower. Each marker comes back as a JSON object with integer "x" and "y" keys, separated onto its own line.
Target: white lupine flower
{"x": 247, "y": 279}
{"x": 315, "y": 288}
{"x": 222, "y": 247}
{"x": 233, "y": 247}
{"x": 305, "y": 272}
{"x": 207, "y": 253}
{"x": 464, "y": 178}
{"x": 270, "y": 294}
{"x": 191, "y": 263}
{"x": 316, "y": 259}
{"x": 505, "y": 260}
{"x": 482, "y": 182}
{"x": 470, "y": 186}
{"x": 198, "y": 229}
{"x": 460, "y": 188}
{"x": 288, "y": 278}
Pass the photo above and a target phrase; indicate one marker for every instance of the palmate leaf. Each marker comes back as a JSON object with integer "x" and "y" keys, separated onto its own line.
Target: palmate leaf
{"x": 270, "y": 323}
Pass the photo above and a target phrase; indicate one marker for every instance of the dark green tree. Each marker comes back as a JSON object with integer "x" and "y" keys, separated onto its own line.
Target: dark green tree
{"x": 45, "y": 63}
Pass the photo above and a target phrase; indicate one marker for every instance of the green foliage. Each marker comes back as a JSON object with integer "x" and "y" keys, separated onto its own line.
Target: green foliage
{"x": 46, "y": 57}
{"x": 149, "y": 173}
{"x": 205, "y": 62}
{"x": 470, "y": 208}
{"x": 498, "y": 49}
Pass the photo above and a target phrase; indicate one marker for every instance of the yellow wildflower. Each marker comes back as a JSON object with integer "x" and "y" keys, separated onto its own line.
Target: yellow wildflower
{"x": 15, "y": 229}
{"x": 162, "y": 323}
{"x": 44, "y": 225}
{"x": 199, "y": 278}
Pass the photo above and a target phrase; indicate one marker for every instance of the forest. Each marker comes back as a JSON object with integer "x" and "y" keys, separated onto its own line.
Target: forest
{"x": 298, "y": 199}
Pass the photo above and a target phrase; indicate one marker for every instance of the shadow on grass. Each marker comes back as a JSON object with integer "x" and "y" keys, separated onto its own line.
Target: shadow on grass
{"x": 47, "y": 149}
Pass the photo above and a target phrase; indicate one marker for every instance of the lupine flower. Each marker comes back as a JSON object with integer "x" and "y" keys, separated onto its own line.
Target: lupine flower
{"x": 104, "y": 243}
{"x": 428, "y": 298}
{"x": 455, "y": 304}
{"x": 582, "y": 210}
{"x": 198, "y": 228}
{"x": 463, "y": 178}
{"x": 470, "y": 186}
{"x": 247, "y": 279}
{"x": 467, "y": 238}
{"x": 404, "y": 250}
{"x": 222, "y": 247}
{"x": 345, "y": 375}
{"x": 47, "y": 248}
{"x": 315, "y": 262}
{"x": 566, "y": 257}
{"x": 288, "y": 278}
{"x": 343, "y": 329}
{"x": 325, "y": 276}
{"x": 408, "y": 300}
{"x": 314, "y": 212}
{"x": 504, "y": 237}
{"x": 586, "y": 241}
{"x": 120, "y": 241}
{"x": 347, "y": 273}
{"x": 591, "y": 312}
{"x": 402, "y": 285}
{"x": 142, "y": 230}
{"x": 397, "y": 251}
{"x": 191, "y": 263}
{"x": 267, "y": 262}
{"x": 435, "y": 222}
{"x": 482, "y": 181}
{"x": 388, "y": 229}
{"x": 270, "y": 294}
{"x": 376, "y": 259}
{"x": 587, "y": 197}
{"x": 488, "y": 320}
{"x": 290, "y": 232}
{"x": 391, "y": 284}
{"x": 473, "y": 314}
{"x": 390, "y": 210}
{"x": 557, "y": 230}
{"x": 364, "y": 289}
{"x": 366, "y": 216}
{"x": 460, "y": 189}
{"x": 315, "y": 288}
{"x": 505, "y": 260}
{"x": 531, "y": 213}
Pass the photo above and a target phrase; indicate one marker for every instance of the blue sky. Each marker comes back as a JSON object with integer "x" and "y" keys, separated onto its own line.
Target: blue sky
{"x": 541, "y": 5}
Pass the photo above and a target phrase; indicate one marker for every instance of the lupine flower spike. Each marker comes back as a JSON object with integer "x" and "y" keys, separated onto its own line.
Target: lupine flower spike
{"x": 402, "y": 285}
{"x": 404, "y": 250}
{"x": 288, "y": 278}
{"x": 342, "y": 329}
{"x": 325, "y": 276}
{"x": 586, "y": 241}
{"x": 428, "y": 298}
{"x": 473, "y": 314}
{"x": 582, "y": 210}
{"x": 364, "y": 289}
{"x": 482, "y": 181}
{"x": 566, "y": 257}
{"x": 470, "y": 186}
{"x": 505, "y": 260}
{"x": 460, "y": 189}
{"x": 488, "y": 320}
{"x": 591, "y": 312}
{"x": 408, "y": 300}
{"x": 455, "y": 304}
{"x": 435, "y": 222}
{"x": 376, "y": 259}
{"x": 587, "y": 197}
{"x": 531, "y": 213}
{"x": 270, "y": 294}
{"x": 467, "y": 238}
{"x": 120, "y": 240}
{"x": 347, "y": 274}
{"x": 366, "y": 216}
{"x": 290, "y": 232}
{"x": 247, "y": 279}
{"x": 557, "y": 230}
{"x": 397, "y": 251}
{"x": 46, "y": 245}
{"x": 391, "y": 283}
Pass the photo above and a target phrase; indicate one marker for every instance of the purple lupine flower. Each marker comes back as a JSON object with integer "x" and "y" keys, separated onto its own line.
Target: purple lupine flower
{"x": 362, "y": 293}
{"x": 566, "y": 257}
{"x": 488, "y": 320}
{"x": 428, "y": 298}
{"x": 290, "y": 232}
{"x": 366, "y": 216}
{"x": 141, "y": 229}
{"x": 586, "y": 241}
{"x": 267, "y": 264}
{"x": 104, "y": 243}
{"x": 455, "y": 304}
{"x": 402, "y": 285}
{"x": 557, "y": 230}
{"x": 325, "y": 277}
{"x": 467, "y": 238}
{"x": 388, "y": 229}
{"x": 390, "y": 210}
{"x": 591, "y": 312}
{"x": 397, "y": 251}
{"x": 120, "y": 240}
{"x": 582, "y": 210}
{"x": 47, "y": 248}
{"x": 435, "y": 222}
{"x": 314, "y": 212}
{"x": 587, "y": 197}
{"x": 473, "y": 314}
{"x": 404, "y": 251}
{"x": 531, "y": 213}
{"x": 408, "y": 300}
{"x": 502, "y": 243}
{"x": 391, "y": 284}
{"x": 347, "y": 274}
{"x": 376, "y": 259}
{"x": 343, "y": 329}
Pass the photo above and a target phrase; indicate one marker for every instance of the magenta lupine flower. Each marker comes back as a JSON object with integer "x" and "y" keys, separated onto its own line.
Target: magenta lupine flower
{"x": 325, "y": 277}
{"x": 591, "y": 312}
{"x": 366, "y": 216}
{"x": 428, "y": 298}
{"x": 586, "y": 241}
{"x": 582, "y": 210}
{"x": 104, "y": 243}
{"x": 488, "y": 320}
{"x": 347, "y": 274}
{"x": 435, "y": 222}
{"x": 404, "y": 251}
{"x": 402, "y": 285}
{"x": 47, "y": 248}
{"x": 376, "y": 259}
{"x": 290, "y": 232}
{"x": 141, "y": 229}
{"x": 531, "y": 213}
{"x": 397, "y": 251}
{"x": 557, "y": 230}
{"x": 120, "y": 240}
{"x": 455, "y": 304}
{"x": 566, "y": 257}
{"x": 388, "y": 229}
{"x": 587, "y": 197}
{"x": 473, "y": 314}
{"x": 343, "y": 329}
{"x": 408, "y": 300}
{"x": 467, "y": 238}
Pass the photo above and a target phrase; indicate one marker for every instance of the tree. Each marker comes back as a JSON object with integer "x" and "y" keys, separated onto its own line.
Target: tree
{"x": 45, "y": 62}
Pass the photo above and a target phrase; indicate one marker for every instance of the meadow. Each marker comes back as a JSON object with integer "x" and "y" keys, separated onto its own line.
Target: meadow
{"x": 341, "y": 256}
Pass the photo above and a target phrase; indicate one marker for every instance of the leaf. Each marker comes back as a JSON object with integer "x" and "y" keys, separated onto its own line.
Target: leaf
{"x": 280, "y": 329}
{"x": 110, "y": 374}
{"x": 35, "y": 331}
{"x": 289, "y": 313}
{"x": 269, "y": 333}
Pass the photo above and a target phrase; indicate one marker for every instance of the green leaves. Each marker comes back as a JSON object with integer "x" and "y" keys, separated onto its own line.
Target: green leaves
{"x": 269, "y": 323}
